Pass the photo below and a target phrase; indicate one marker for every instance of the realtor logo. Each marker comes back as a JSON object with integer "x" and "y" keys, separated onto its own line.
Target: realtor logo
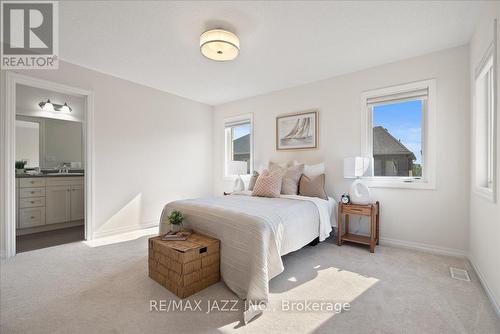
{"x": 29, "y": 35}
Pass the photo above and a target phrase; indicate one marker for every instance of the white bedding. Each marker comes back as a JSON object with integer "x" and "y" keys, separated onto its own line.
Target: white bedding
{"x": 254, "y": 233}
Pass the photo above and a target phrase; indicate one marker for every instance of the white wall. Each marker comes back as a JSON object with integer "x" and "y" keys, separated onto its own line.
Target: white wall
{"x": 485, "y": 215}
{"x": 151, "y": 147}
{"x": 424, "y": 218}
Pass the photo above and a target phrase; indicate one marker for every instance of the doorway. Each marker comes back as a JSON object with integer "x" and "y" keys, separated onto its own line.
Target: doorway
{"x": 49, "y": 173}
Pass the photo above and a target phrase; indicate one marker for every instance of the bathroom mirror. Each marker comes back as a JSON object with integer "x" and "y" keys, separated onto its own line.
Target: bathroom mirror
{"x": 48, "y": 143}
{"x": 28, "y": 142}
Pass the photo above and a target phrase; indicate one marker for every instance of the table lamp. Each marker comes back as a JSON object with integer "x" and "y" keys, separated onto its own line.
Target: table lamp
{"x": 237, "y": 168}
{"x": 355, "y": 168}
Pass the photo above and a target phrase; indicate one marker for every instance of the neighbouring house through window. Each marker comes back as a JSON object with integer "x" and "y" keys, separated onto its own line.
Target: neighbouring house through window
{"x": 399, "y": 134}
{"x": 397, "y": 138}
{"x": 238, "y": 142}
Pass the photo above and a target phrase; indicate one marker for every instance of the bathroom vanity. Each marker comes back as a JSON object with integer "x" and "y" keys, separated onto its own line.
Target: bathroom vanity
{"x": 48, "y": 202}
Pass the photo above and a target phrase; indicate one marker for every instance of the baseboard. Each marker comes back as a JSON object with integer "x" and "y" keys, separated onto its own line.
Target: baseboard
{"x": 485, "y": 286}
{"x": 424, "y": 247}
{"x": 124, "y": 229}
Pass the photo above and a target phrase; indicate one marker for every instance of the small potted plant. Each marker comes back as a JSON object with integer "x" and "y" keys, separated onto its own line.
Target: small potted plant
{"x": 175, "y": 218}
{"x": 20, "y": 166}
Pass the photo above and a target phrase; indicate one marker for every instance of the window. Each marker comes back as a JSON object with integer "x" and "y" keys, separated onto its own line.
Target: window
{"x": 238, "y": 145}
{"x": 484, "y": 126}
{"x": 398, "y": 131}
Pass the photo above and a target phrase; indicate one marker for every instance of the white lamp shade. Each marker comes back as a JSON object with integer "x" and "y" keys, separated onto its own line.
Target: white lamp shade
{"x": 219, "y": 45}
{"x": 236, "y": 167}
{"x": 356, "y": 167}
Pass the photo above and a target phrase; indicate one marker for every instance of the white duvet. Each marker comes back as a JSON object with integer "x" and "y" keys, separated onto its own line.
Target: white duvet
{"x": 254, "y": 233}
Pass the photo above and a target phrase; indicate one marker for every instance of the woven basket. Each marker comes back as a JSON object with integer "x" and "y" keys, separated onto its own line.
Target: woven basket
{"x": 184, "y": 267}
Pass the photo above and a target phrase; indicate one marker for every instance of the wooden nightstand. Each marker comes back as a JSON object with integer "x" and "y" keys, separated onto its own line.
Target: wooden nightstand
{"x": 370, "y": 210}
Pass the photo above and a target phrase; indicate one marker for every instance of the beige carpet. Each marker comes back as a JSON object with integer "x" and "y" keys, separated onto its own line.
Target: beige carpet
{"x": 76, "y": 288}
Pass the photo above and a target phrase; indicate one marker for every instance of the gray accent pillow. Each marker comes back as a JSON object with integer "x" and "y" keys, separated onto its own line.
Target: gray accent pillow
{"x": 313, "y": 186}
{"x": 291, "y": 177}
{"x": 253, "y": 179}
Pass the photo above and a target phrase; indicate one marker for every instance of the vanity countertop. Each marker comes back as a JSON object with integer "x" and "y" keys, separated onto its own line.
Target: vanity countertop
{"x": 20, "y": 176}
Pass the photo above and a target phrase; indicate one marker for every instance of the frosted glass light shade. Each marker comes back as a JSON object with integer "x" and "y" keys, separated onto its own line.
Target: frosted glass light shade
{"x": 356, "y": 167}
{"x": 219, "y": 45}
{"x": 236, "y": 167}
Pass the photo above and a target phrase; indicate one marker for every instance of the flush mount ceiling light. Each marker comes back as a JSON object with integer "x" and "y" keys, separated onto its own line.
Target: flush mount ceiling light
{"x": 49, "y": 106}
{"x": 219, "y": 45}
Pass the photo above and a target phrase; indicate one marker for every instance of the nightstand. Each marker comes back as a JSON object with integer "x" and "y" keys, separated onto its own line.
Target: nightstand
{"x": 370, "y": 210}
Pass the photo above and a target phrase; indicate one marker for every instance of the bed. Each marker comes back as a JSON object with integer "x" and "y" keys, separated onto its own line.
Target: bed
{"x": 254, "y": 233}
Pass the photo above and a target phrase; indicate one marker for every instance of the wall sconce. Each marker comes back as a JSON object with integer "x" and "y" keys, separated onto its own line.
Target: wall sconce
{"x": 49, "y": 106}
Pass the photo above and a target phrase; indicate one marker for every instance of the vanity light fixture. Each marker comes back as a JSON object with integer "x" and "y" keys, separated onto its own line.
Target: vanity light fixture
{"x": 219, "y": 45}
{"x": 65, "y": 108}
{"x": 46, "y": 106}
{"x": 49, "y": 106}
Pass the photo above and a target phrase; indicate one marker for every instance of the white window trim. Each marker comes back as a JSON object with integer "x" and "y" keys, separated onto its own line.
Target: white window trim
{"x": 488, "y": 193}
{"x": 429, "y": 118}
{"x": 237, "y": 118}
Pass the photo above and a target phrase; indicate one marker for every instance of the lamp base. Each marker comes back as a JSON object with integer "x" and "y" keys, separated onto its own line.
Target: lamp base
{"x": 238, "y": 185}
{"x": 360, "y": 193}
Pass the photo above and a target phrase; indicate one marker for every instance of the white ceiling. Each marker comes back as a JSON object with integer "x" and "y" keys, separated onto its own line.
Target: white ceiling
{"x": 283, "y": 44}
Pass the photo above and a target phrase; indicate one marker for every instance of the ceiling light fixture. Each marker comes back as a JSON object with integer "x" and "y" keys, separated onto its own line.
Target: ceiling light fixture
{"x": 49, "y": 106}
{"x": 219, "y": 45}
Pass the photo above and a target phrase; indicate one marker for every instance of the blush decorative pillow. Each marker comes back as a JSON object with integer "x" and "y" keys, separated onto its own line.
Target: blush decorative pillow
{"x": 268, "y": 184}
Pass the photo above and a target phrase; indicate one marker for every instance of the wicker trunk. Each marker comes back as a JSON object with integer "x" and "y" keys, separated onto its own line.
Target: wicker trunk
{"x": 184, "y": 267}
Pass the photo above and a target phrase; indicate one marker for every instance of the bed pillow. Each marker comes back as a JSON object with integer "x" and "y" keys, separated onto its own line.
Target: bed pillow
{"x": 291, "y": 177}
{"x": 314, "y": 170}
{"x": 253, "y": 178}
{"x": 268, "y": 184}
{"x": 313, "y": 186}
{"x": 311, "y": 170}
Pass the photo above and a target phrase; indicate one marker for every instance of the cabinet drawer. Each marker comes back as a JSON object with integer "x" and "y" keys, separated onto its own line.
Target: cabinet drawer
{"x": 31, "y": 192}
{"x": 32, "y": 182}
{"x": 31, "y": 217}
{"x": 64, "y": 180}
{"x": 356, "y": 210}
{"x": 31, "y": 202}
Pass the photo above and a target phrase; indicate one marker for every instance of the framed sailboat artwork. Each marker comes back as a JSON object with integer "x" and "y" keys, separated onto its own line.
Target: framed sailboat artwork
{"x": 297, "y": 131}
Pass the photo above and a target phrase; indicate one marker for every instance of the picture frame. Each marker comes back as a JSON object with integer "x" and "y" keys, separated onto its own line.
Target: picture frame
{"x": 297, "y": 131}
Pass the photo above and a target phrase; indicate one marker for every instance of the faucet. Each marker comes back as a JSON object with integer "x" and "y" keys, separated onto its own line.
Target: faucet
{"x": 62, "y": 169}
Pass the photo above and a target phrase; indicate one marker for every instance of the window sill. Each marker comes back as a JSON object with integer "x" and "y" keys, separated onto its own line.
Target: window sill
{"x": 486, "y": 193}
{"x": 376, "y": 182}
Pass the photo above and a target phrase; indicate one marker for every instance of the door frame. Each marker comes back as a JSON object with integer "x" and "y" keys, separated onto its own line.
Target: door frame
{"x": 9, "y": 153}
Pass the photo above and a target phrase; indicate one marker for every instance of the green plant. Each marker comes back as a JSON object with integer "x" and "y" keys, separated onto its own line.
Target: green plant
{"x": 175, "y": 218}
{"x": 20, "y": 164}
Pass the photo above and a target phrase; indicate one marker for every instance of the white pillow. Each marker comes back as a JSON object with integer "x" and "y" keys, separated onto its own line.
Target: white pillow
{"x": 314, "y": 170}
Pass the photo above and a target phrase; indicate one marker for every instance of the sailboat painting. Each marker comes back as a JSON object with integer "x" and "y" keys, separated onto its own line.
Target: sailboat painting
{"x": 297, "y": 131}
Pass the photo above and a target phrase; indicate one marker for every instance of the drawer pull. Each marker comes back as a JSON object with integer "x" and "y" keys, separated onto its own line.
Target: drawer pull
{"x": 32, "y": 217}
{"x": 32, "y": 202}
{"x": 32, "y": 192}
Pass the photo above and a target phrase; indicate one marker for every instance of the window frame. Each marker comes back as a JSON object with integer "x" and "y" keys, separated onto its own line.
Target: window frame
{"x": 228, "y": 143}
{"x": 488, "y": 61}
{"x": 428, "y": 179}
